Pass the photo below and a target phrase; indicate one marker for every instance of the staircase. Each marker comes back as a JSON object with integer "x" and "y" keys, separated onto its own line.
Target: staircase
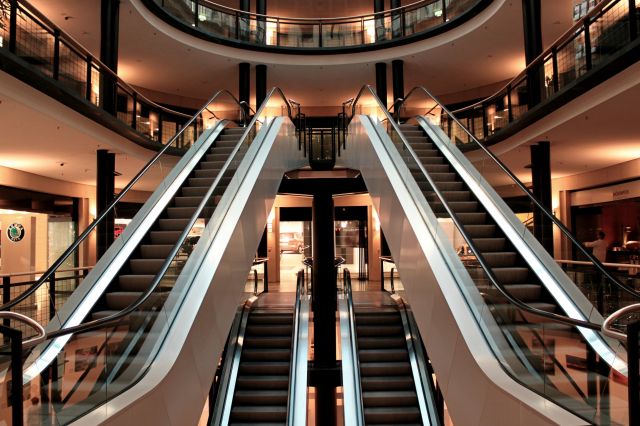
{"x": 388, "y": 390}
{"x": 145, "y": 262}
{"x": 507, "y": 265}
{"x": 261, "y": 392}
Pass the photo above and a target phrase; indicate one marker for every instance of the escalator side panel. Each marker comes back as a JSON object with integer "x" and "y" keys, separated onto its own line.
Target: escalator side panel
{"x": 213, "y": 284}
{"x": 474, "y": 385}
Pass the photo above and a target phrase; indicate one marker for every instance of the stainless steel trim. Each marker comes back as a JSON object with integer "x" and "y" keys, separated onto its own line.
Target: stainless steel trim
{"x": 297, "y": 400}
{"x": 231, "y": 365}
{"x": 28, "y": 321}
{"x": 351, "y": 386}
{"x": 608, "y": 330}
{"x": 428, "y": 410}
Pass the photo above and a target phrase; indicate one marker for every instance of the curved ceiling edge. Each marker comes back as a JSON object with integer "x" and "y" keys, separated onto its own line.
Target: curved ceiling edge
{"x": 280, "y": 58}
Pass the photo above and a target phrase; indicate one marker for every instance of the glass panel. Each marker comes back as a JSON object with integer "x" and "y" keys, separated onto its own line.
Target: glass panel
{"x": 347, "y": 34}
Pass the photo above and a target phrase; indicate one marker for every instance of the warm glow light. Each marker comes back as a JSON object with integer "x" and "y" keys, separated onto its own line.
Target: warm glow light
{"x": 369, "y": 31}
{"x": 272, "y": 33}
{"x": 270, "y": 220}
{"x": 376, "y": 220}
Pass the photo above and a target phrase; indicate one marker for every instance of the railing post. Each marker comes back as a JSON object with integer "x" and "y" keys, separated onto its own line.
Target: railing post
{"x": 52, "y": 295}
{"x": 195, "y": 13}
{"x": 320, "y": 35}
{"x": 88, "y": 88}
{"x": 587, "y": 45}
{"x": 485, "y": 128}
{"x": 15, "y": 391}
{"x": 444, "y": 11}
{"x": 6, "y": 296}
{"x": 556, "y": 77}
{"x": 633, "y": 385}
{"x": 160, "y": 127}
{"x": 13, "y": 26}
{"x": 265, "y": 276}
{"x": 633, "y": 20}
{"x": 255, "y": 282}
{"x": 393, "y": 287}
{"x": 381, "y": 275}
{"x": 509, "y": 105}
{"x": 134, "y": 119}
{"x": 56, "y": 54}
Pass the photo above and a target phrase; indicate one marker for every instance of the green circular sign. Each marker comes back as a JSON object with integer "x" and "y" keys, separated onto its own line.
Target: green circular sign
{"x": 15, "y": 232}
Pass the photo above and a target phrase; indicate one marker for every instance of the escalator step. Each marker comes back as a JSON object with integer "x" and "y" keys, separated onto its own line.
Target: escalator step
{"x": 206, "y": 173}
{"x": 385, "y": 383}
{"x": 266, "y": 354}
{"x": 218, "y": 154}
{"x": 188, "y": 212}
{"x": 135, "y": 282}
{"x": 443, "y": 177}
{"x": 385, "y": 368}
{"x": 379, "y": 330}
{"x": 274, "y": 329}
{"x": 145, "y": 266}
{"x": 164, "y": 237}
{"x": 390, "y": 399}
{"x": 377, "y": 355}
{"x": 260, "y": 397}
{"x": 450, "y": 186}
{"x": 207, "y": 181}
{"x": 262, "y": 382}
{"x": 456, "y": 206}
{"x": 173, "y": 224}
{"x": 472, "y": 218}
{"x": 490, "y": 244}
{"x": 155, "y": 251}
{"x": 217, "y": 165}
{"x": 382, "y": 342}
{"x": 377, "y": 415}
{"x": 270, "y": 319}
{"x": 267, "y": 341}
{"x": 259, "y": 413}
{"x": 432, "y": 160}
{"x": 500, "y": 258}
{"x": 511, "y": 275}
{"x": 194, "y": 191}
{"x": 194, "y": 201}
{"x": 118, "y": 300}
{"x": 479, "y": 230}
{"x": 524, "y": 292}
{"x": 264, "y": 368}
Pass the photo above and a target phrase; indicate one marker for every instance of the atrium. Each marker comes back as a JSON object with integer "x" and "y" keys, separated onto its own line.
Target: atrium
{"x": 320, "y": 212}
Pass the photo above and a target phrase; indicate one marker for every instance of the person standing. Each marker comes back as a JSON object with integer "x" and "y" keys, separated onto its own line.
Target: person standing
{"x": 599, "y": 247}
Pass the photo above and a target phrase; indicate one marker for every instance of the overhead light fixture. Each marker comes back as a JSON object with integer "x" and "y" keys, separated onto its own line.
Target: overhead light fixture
{"x": 438, "y": 13}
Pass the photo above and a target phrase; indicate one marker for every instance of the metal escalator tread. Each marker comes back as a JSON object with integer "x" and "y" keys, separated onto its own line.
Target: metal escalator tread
{"x": 262, "y": 385}
{"x": 386, "y": 379}
{"x": 507, "y": 265}
{"x": 146, "y": 261}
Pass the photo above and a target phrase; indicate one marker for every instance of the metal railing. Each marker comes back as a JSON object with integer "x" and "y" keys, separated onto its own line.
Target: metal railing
{"x": 592, "y": 43}
{"x": 43, "y": 46}
{"x": 227, "y": 24}
{"x": 297, "y": 391}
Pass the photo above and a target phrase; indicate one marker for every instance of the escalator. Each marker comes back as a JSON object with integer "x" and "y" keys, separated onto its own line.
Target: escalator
{"x": 265, "y": 367}
{"x": 385, "y": 371}
{"x": 482, "y": 285}
{"x": 148, "y": 301}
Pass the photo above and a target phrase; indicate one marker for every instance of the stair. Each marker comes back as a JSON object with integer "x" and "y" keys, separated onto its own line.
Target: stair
{"x": 147, "y": 260}
{"x": 506, "y": 264}
{"x": 388, "y": 390}
{"x": 262, "y": 385}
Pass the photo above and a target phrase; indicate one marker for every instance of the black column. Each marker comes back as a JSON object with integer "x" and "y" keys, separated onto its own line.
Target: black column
{"x": 244, "y": 83}
{"x": 324, "y": 304}
{"x": 261, "y": 84}
{"x": 244, "y": 5}
{"x": 261, "y": 9}
{"x": 378, "y": 6}
{"x": 109, "y": 19}
{"x": 381, "y": 82}
{"x": 397, "y": 75}
{"x": 396, "y": 19}
{"x": 532, "y": 26}
{"x": 541, "y": 179}
{"x": 105, "y": 186}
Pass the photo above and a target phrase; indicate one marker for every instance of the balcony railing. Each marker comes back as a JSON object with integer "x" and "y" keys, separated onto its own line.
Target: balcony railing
{"x": 405, "y": 23}
{"x": 605, "y": 35}
{"x": 30, "y": 36}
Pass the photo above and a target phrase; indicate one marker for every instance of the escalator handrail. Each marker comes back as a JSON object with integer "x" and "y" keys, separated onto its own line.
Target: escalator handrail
{"x": 607, "y": 326}
{"x": 354, "y": 347}
{"x": 15, "y": 316}
{"x": 85, "y": 234}
{"x": 98, "y": 323}
{"x": 566, "y": 36}
{"x": 481, "y": 260}
{"x": 293, "y": 377}
{"x": 567, "y": 233}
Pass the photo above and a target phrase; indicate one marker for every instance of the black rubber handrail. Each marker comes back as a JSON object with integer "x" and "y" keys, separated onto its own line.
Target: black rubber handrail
{"x": 481, "y": 260}
{"x": 565, "y": 231}
{"x": 567, "y": 35}
{"x": 96, "y": 324}
{"x": 45, "y": 277}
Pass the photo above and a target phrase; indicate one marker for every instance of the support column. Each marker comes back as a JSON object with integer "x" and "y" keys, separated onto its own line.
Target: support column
{"x": 261, "y": 9}
{"x": 109, "y": 23}
{"x": 541, "y": 179}
{"x": 243, "y": 24}
{"x": 378, "y": 6}
{"x": 261, "y": 84}
{"x": 396, "y": 20}
{"x": 244, "y": 83}
{"x": 397, "y": 75}
{"x": 105, "y": 186}
{"x": 324, "y": 305}
{"x": 381, "y": 82}
{"x": 532, "y": 26}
